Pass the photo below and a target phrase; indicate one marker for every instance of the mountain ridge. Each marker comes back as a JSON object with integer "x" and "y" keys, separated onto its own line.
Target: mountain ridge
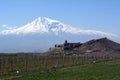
{"x": 43, "y": 25}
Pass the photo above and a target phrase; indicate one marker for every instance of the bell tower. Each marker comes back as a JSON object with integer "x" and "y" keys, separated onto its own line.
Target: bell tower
{"x": 65, "y": 41}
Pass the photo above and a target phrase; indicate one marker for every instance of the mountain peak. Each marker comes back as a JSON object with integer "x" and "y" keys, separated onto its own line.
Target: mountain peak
{"x": 47, "y": 25}
{"x": 44, "y": 19}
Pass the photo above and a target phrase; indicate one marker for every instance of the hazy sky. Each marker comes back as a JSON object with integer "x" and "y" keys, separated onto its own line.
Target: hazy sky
{"x": 103, "y": 15}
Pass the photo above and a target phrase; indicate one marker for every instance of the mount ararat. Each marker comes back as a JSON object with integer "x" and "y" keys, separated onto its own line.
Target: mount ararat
{"x": 43, "y": 33}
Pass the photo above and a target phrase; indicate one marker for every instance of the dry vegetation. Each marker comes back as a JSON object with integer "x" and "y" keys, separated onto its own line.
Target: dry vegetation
{"x": 10, "y": 63}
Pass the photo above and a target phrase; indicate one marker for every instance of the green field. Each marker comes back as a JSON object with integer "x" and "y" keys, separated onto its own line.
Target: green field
{"x": 35, "y": 67}
{"x": 100, "y": 71}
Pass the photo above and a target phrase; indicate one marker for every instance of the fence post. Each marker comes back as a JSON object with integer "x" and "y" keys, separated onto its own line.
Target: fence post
{"x": 26, "y": 62}
{"x": 0, "y": 66}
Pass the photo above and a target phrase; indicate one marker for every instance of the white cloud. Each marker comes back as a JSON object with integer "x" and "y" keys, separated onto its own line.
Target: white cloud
{"x": 7, "y": 27}
{"x": 4, "y": 25}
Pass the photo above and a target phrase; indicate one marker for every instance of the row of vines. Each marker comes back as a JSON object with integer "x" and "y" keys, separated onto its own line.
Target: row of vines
{"x": 32, "y": 62}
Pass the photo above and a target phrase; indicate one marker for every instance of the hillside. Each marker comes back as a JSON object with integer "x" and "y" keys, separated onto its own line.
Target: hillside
{"x": 102, "y": 46}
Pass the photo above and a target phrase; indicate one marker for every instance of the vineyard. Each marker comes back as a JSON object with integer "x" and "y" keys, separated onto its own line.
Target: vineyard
{"x": 24, "y": 63}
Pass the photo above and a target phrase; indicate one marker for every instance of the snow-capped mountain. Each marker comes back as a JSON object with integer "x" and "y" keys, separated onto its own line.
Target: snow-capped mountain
{"x": 44, "y": 25}
{"x": 43, "y": 33}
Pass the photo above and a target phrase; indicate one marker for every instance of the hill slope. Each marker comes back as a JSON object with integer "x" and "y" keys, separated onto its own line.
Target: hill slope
{"x": 102, "y": 46}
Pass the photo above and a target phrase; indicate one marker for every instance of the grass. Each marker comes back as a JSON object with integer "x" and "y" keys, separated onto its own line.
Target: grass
{"x": 99, "y": 71}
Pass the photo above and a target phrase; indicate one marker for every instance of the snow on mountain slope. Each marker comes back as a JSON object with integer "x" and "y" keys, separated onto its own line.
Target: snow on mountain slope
{"x": 45, "y": 25}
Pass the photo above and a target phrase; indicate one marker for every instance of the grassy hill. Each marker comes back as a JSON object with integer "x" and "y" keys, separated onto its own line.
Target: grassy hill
{"x": 99, "y": 71}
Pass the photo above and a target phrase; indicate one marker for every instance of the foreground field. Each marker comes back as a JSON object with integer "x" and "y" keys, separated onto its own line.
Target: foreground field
{"x": 99, "y": 71}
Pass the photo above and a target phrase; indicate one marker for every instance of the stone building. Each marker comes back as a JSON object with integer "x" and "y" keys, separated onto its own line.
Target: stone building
{"x": 68, "y": 46}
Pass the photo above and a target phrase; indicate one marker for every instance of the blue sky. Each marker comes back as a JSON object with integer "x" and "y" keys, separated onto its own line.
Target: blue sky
{"x": 101, "y": 15}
